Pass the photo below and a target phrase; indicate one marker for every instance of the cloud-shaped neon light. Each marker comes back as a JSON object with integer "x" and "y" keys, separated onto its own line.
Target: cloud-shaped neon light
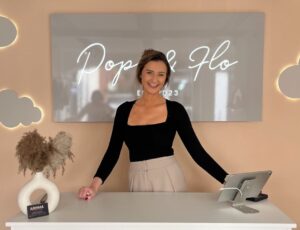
{"x": 289, "y": 82}
{"x": 16, "y": 110}
{"x": 8, "y": 32}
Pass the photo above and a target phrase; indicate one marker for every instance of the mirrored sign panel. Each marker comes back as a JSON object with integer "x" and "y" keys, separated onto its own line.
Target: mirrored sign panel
{"x": 216, "y": 60}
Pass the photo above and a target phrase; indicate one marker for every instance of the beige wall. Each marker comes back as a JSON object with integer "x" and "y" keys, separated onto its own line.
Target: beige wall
{"x": 272, "y": 143}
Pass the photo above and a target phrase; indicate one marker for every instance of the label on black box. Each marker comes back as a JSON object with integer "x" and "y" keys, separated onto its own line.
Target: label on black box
{"x": 37, "y": 210}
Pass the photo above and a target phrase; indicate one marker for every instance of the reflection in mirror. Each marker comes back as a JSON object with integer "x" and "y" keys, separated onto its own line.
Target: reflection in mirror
{"x": 8, "y": 32}
{"x": 289, "y": 82}
{"x": 17, "y": 110}
{"x": 216, "y": 63}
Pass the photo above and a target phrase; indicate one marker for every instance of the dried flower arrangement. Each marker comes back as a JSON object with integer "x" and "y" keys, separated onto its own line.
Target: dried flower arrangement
{"x": 37, "y": 154}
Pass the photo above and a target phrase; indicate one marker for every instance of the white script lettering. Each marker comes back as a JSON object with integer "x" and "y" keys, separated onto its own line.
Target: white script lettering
{"x": 109, "y": 65}
{"x": 212, "y": 63}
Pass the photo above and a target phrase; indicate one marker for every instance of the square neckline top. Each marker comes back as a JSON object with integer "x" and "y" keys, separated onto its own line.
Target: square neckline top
{"x": 153, "y": 124}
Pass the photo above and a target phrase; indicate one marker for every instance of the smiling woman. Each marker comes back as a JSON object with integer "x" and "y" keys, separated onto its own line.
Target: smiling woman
{"x": 148, "y": 126}
{"x": 8, "y": 32}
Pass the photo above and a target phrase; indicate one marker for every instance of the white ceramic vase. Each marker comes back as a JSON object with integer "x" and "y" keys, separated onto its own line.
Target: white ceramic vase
{"x": 39, "y": 181}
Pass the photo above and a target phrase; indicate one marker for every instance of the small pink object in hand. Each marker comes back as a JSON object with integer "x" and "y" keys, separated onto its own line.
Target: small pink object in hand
{"x": 87, "y": 196}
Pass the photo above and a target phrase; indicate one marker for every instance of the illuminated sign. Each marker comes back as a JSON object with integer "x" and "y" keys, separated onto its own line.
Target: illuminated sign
{"x": 213, "y": 64}
{"x": 216, "y": 61}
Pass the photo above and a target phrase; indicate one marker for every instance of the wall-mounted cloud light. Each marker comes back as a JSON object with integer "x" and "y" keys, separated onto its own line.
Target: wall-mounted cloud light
{"x": 16, "y": 110}
{"x": 8, "y": 32}
{"x": 289, "y": 81}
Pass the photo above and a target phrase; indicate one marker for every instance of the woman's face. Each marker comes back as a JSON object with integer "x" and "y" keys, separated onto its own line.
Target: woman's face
{"x": 153, "y": 77}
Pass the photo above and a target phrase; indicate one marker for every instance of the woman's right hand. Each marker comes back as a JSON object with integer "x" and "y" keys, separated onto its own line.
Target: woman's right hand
{"x": 88, "y": 192}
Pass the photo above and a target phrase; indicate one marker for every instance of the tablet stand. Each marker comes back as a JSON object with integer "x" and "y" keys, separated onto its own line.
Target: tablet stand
{"x": 240, "y": 198}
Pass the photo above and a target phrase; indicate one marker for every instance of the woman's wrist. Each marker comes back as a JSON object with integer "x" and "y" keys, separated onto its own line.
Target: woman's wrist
{"x": 96, "y": 183}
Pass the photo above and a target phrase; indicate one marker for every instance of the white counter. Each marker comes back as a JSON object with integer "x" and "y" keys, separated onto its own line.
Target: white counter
{"x": 153, "y": 211}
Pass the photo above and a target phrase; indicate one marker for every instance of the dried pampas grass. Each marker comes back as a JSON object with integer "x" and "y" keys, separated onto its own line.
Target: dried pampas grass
{"x": 37, "y": 154}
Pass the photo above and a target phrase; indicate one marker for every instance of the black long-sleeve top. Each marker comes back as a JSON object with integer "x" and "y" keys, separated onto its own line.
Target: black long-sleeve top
{"x": 155, "y": 140}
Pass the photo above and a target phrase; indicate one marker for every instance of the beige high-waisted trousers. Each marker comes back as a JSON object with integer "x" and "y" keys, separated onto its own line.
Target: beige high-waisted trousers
{"x": 161, "y": 174}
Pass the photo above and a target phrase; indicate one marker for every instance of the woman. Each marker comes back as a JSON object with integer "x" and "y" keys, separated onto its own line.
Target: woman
{"x": 148, "y": 127}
